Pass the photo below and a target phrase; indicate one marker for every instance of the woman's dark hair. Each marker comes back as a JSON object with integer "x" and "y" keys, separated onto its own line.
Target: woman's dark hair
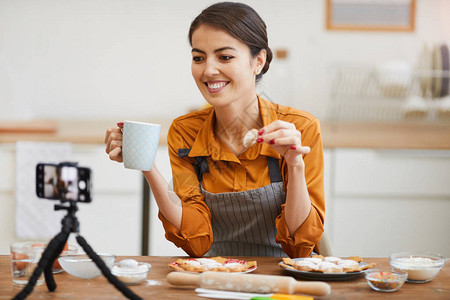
{"x": 242, "y": 22}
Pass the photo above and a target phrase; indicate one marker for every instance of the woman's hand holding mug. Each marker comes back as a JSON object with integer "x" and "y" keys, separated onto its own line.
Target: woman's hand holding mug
{"x": 133, "y": 143}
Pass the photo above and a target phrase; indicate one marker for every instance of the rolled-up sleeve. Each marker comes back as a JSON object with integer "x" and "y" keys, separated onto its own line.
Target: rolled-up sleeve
{"x": 308, "y": 235}
{"x": 195, "y": 236}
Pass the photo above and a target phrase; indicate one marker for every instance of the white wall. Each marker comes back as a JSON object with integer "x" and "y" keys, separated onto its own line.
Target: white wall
{"x": 131, "y": 59}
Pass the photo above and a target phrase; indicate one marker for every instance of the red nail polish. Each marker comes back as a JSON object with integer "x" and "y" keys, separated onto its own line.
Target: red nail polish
{"x": 261, "y": 132}
{"x": 120, "y": 124}
{"x": 272, "y": 142}
{"x": 259, "y": 140}
{"x": 293, "y": 148}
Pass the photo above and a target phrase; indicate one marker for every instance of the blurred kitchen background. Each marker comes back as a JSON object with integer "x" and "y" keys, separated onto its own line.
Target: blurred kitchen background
{"x": 70, "y": 69}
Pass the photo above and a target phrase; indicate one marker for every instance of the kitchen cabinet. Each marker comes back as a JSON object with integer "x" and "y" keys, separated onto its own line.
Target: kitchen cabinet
{"x": 385, "y": 201}
{"x": 407, "y": 173}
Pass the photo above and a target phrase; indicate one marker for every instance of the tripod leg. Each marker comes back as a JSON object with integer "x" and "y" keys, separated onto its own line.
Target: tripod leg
{"x": 105, "y": 270}
{"x": 44, "y": 262}
{"x": 55, "y": 247}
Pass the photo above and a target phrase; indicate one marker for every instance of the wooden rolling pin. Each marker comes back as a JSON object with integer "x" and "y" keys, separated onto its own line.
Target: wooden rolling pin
{"x": 251, "y": 283}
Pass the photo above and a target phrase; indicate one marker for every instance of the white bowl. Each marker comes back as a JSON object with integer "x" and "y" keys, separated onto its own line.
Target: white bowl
{"x": 131, "y": 274}
{"x": 421, "y": 267}
{"x": 82, "y": 266}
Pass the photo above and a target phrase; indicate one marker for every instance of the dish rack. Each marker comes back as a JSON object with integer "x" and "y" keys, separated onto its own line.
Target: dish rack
{"x": 361, "y": 93}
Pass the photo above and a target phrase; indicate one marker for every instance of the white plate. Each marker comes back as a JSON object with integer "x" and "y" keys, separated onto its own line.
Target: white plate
{"x": 323, "y": 276}
{"x": 437, "y": 66}
{"x": 425, "y": 64}
{"x": 445, "y": 68}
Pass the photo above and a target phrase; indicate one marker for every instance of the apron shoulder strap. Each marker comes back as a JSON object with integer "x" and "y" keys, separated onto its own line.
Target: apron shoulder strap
{"x": 274, "y": 170}
{"x": 200, "y": 164}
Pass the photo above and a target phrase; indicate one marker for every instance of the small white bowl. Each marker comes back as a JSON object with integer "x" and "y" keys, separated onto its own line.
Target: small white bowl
{"x": 82, "y": 266}
{"x": 131, "y": 274}
{"x": 421, "y": 267}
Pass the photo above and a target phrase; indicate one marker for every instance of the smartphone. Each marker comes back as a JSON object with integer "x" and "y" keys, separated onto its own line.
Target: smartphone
{"x": 64, "y": 181}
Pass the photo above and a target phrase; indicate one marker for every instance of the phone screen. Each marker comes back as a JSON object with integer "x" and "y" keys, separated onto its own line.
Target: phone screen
{"x": 63, "y": 182}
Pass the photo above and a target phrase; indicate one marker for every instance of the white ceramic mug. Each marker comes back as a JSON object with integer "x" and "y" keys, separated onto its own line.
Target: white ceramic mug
{"x": 139, "y": 144}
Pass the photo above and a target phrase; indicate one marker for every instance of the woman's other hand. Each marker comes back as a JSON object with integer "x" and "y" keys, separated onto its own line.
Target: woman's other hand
{"x": 113, "y": 141}
{"x": 286, "y": 140}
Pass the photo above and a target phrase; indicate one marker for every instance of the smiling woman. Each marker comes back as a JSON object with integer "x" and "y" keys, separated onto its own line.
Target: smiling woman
{"x": 250, "y": 30}
{"x": 220, "y": 60}
{"x": 253, "y": 199}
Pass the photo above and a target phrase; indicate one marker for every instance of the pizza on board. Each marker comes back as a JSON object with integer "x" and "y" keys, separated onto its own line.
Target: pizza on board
{"x": 217, "y": 264}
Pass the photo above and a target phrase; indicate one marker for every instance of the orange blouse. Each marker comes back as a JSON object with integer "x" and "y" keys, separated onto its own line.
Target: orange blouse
{"x": 228, "y": 173}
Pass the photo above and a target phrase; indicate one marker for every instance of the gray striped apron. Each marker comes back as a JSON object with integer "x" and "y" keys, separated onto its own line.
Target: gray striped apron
{"x": 243, "y": 223}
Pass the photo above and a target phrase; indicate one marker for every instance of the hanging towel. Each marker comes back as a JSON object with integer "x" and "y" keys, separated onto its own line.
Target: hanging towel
{"x": 36, "y": 218}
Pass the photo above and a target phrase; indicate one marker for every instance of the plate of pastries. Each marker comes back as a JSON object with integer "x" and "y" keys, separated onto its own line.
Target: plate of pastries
{"x": 318, "y": 267}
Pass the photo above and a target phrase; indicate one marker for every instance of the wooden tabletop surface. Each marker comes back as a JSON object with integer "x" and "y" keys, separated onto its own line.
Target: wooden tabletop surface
{"x": 73, "y": 288}
{"x": 407, "y": 135}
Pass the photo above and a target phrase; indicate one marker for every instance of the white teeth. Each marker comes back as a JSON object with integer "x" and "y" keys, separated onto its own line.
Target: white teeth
{"x": 216, "y": 85}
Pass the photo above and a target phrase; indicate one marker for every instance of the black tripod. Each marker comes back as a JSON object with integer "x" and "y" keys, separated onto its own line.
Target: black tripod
{"x": 55, "y": 247}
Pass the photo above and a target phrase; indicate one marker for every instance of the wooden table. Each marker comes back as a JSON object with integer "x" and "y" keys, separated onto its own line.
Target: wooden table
{"x": 73, "y": 288}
